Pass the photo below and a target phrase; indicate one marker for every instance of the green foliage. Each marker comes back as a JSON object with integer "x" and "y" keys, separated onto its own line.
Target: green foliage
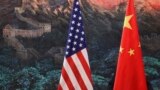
{"x": 54, "y": 77}
{"x": 152, "y": 65}
{"x": 28, "y": 77}
{"x": 151, "y": 72}
{"x": 5, "y": 77}
{"x": 42, "y": 75}
{"x": 99, "y": 80}
{"x": 152, "y": 68}
{"x": 45, "y": 65}
{"x": 150, "y": 61}
{"x": 54, "y": 74}
{"x": 155, "y": 84}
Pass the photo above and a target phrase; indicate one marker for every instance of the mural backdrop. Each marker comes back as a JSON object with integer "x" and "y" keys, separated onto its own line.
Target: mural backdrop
{"x": 33, "y": 36}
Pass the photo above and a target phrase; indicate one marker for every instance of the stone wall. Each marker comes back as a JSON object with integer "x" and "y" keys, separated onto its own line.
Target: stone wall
{"x": 11, "y": 32}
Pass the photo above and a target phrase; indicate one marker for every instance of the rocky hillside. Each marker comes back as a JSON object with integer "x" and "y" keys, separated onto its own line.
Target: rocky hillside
{"x": 58, "y": 12}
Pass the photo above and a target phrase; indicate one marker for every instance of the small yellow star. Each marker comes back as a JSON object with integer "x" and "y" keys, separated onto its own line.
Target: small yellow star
{"x": 121, "y": 49}
{"x": 131, "y": 52}
{"x": 139, "y": 44}
{"x": 127, "y": 22}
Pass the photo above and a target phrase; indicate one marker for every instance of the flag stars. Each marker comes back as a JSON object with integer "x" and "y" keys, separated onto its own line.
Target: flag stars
{"x": 73, "y": 22}
{"x": 76, "y": 9}
{"x": 127, "y": 22}
{"x": 80, "y": 18}
{"x": 80, "y": 45}
{"x": 70, "y": 34}
{"x": 139, "y": 45}
{"x": 75, "y": 43}
{"x": 76, "y": 37}
{"x": 73, "y": 49}
{"x": 77, "y": 3}
{"x": 131, "y": 52}
{"x": 67, "y": 53}
{"x": 81, "y": 39}
{"x": 121, "y": 49}
{"x": 77, "y": 30}
{"x": 68, "y": 46}
{"x": 69, "y": 40}
{"x": 79, "y": 24}
{"x": 74, "y": 16}
{"x": 82, "y": 33}
{"x": 72, "y": 28}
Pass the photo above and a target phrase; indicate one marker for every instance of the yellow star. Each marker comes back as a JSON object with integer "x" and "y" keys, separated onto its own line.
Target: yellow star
{"x": 139, "y": 44}
{"x": 127, "y": 22}
{"x": 121, "y": 49}
{"x": 131, "y": 52}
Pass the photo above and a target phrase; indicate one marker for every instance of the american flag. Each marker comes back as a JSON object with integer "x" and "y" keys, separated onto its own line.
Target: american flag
{"x": 76, "y": 73}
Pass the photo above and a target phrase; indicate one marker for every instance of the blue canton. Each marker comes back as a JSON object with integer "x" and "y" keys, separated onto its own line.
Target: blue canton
{"x": 76, "y": 37}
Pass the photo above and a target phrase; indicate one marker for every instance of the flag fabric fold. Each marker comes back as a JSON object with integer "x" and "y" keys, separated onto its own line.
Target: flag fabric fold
{"x": 130, "y": 74}
{"x": 76, "y": 73}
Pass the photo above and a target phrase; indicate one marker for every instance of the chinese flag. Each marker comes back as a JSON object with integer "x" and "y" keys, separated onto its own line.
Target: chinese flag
{"x": 130, "y": 73}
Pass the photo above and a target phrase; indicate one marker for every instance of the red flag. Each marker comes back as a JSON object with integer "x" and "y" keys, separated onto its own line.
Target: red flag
{"x": 130, "y": 73}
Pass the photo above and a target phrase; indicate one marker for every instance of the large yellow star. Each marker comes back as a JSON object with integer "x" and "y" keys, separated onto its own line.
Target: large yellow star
{"x": 131, "y": 52}
{"x": 121, "y": 49}
{"x": 127, "y": 22}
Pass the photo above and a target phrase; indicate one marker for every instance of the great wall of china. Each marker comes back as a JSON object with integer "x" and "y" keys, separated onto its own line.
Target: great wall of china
{"x": 10, "y": 33}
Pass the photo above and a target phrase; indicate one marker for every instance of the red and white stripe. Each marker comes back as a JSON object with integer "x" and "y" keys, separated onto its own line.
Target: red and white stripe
{"x": 76, "y": 73}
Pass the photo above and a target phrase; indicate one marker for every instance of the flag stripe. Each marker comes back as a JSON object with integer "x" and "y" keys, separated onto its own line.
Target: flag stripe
{"x": 63, "y": 84}
{"x": 82, "y": 72}
{"x": 66, "y": 79}
{"x": 85, "y": 54}
{"x": 76, "y": 73}
{"x": 85, "y": 65}
{"x": 71, "y": 75}
{"x": 59, "y": 87}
